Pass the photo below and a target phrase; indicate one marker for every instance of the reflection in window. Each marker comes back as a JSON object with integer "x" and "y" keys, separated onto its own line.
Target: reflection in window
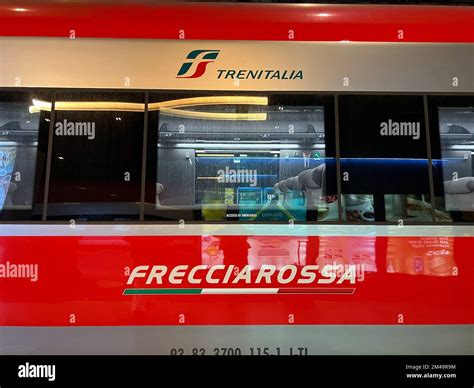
{"x": 345, "y": 252}
{"x": 242, "y": 158}
{"x": 384, "y": 165}
{"x": 97, "y": 156}
{"x": 211, "y": 252}
{"x": 407, "y": 207}
{"x": 19, "y": 137}
{"x": 277, "y": 251}
{"x": 454, "y": 171}
{"x": 429, "y": 256}
{"x": 358, "y": 207}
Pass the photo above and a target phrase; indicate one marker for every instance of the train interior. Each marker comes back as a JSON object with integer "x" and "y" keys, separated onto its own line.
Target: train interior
{"x": 245, "y": 164}
{"x": 231, "y": 160}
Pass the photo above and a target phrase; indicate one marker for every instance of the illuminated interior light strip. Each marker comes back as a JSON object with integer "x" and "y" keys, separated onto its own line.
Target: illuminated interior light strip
{"x": 237, "y": 146}
{"x": 213, "y": 153}
{"x": 214, "y": 115}
{"x": 237, "y": 141}
{"x": 34, "y": 109}
{"x": 215, "y": 100}
{"x": 99, "y": 106}
{"x": 39, "y": 105}
{"x": 462, "y": 147}
{"x": 130, "y": 106}
{"x": 166, "y": 107}
{"x": 204, "y": 154}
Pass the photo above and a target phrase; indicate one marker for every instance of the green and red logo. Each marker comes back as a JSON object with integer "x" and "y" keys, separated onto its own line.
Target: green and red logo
{"x": 197, "y": 61}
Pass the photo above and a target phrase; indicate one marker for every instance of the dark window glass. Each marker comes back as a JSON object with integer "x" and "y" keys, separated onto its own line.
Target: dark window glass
{"x": 384, "y": 165}
{"x": 23, "y": 142}
{"x": 97, "y": 156}
{"x": 452, "y": 139}
{"x": 234, "y": 157}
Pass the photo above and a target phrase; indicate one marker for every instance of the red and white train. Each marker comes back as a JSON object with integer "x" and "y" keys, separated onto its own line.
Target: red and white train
{"x": 236, "y": 164}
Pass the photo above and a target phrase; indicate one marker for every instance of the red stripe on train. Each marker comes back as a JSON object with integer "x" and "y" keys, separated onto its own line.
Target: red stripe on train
{"x": 80, "y": 280}
{"x": 371, "y": 23}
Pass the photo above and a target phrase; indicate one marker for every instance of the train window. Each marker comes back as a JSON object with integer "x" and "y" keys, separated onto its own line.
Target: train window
{"x": 384, "y": 166}
{"x": 452, "y": 139}
{"x": 97, "y": 156}
{"x": 23, "y": 142}
{"x": 235, "y": 157}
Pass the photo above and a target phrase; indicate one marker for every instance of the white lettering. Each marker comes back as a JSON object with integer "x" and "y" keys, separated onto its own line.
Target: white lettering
{"x": 37, "y": 371}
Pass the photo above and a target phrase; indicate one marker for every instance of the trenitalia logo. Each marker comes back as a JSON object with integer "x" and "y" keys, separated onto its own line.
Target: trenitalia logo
{"x": 198, "y": 60}
{"x": 226, "y": 279}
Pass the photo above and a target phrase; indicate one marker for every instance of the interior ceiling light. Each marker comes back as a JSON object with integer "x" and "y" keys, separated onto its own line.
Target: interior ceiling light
{"x": 239, "y": 146}
{"x": 171, "y": 107}
{"x": 204, "y": 154}
{"x": 214, "y": 115}
{"x": 215, "y": 100}
{"x": 39, "y": 105}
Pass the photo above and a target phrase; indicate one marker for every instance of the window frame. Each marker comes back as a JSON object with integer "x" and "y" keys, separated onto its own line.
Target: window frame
{"x": 433, "y": 102}
{"x": 428, "y": 110}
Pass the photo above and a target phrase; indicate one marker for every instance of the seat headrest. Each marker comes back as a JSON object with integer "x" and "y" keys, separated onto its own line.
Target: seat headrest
{"x": 306, "y": 179}
{"x": 282, "y": 186}
{"x": 319, "y": 174}
{"x": 459, "y": 186}
{"x": 293, "y": 184}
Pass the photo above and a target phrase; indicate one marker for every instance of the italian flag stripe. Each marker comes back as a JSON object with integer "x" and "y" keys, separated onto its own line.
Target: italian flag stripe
{"x": 236, "y": 291}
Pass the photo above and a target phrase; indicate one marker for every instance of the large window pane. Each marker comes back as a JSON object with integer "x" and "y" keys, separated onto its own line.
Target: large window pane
{"x": 230, "y": 158}
{"x": 384, "y": 159}
{"x": 97, "y": 156}
{"x": 452, "y": 135}
{"x": 23, "y": 142}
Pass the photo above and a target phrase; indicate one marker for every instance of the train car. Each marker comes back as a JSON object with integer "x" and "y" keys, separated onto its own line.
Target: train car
{"x": 226, "y": 178}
